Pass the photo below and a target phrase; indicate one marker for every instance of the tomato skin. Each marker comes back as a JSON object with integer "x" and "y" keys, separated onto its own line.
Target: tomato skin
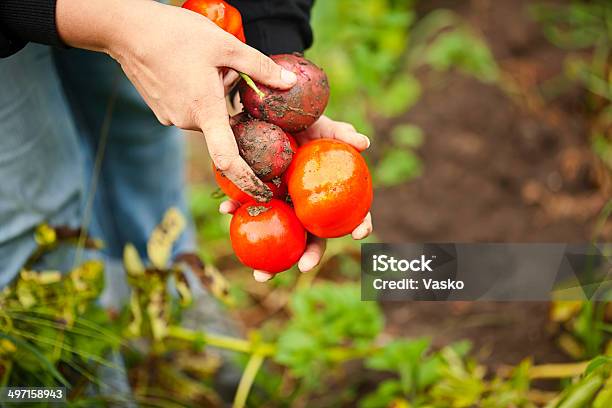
{"x": 330, "y": 187}
{"x": 278, "y": 187}
{"x": 267, "y": 236}
{"x": 293, "y": 143}
{"x": 294, "y": 147}
{"x": 221, "y": 13}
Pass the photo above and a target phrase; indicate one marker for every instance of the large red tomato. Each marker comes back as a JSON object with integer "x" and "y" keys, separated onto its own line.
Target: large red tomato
{"x": 267, "y": 236}
{"x": 330, "y": 187}
{"x": 278, "y": 187}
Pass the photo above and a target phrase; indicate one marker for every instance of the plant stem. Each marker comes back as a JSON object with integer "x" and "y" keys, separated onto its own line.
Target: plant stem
{"x": 220, "y": 341}
{"x": 251, "y": 84}
{"x": 557, "y": 370}
{"x": 248, "y": 377}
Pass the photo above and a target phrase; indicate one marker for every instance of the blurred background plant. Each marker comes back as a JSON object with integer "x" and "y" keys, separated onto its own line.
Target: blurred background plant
{"x": 585, "y": 29}
{"x": 371, "y": 51}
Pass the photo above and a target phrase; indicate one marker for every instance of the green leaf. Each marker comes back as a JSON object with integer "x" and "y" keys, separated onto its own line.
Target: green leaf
{"x": 384, "y": 395}
{"x": 325, "y": 317}
{"x": 399, "y": 96}
{"x": 39, "y": 356}
{"x": 131, "y": 261}
{"x": 396, "y": 167}
{"x": 407, "y": 136}
{"x": 462, "y": 50}
{"x": 159, "y": 247}
{"x": 598, "y": 362}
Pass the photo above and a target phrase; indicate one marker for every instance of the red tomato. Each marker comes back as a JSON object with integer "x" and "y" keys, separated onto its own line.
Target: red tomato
{"x": 267, "y": 236}
{"x": 330, "y": 187}
{"x": 221, "y": 13}
{"x": 294, "y": 148}
{"x": 293, "y": 143}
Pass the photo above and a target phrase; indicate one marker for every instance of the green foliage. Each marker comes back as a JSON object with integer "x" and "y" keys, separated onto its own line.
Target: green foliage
{"x": 371, "y": 49}
{"x": 575, "y": 24}
{"x": 593, "y": 389}
{"x": 324, "y": 318}
{"x": 396, "y": 167}
{"x": 51, "y": 325}
{"x": 585, "y": 333}
{"x": 360, "y": 45}
{"x": 603, "y": 148}
{"x": 462, "y": 50}
{"x": 407, "y": 136}
{"x": 212, "y": 228}
{"x": 415, "y": 370}
{"x": 580, "y": 26}
{"x": 49, "y": 320}
{"x": 445, "y": 378}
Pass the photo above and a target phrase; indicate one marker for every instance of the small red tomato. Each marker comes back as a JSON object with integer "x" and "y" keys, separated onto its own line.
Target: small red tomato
{"x": 277, "y": 185}
{"x": 267, "y": 236}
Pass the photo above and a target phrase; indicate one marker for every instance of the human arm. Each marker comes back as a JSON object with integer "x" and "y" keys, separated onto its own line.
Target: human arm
{"x": 174, "y": 57}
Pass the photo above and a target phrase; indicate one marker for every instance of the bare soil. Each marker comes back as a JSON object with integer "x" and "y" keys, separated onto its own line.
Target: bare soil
{"x": 499, "y": 166}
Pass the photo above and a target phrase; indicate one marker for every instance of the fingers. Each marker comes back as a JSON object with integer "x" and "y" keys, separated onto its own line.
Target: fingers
{"x": 313, "y": 253}
{"x": 211, "y": 116}
{"x": 330, "y": 129}
{"x": 364, "y": 229}
{"x": 229, "y": 80}
{"x": 311, "y": 258}
{"x": 229, "y": 206}
{"x": 261, "y": 276}
{"x": 259, "y": 67}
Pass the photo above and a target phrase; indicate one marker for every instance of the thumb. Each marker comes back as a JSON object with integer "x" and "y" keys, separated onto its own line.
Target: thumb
{"x": 258, "y": 66}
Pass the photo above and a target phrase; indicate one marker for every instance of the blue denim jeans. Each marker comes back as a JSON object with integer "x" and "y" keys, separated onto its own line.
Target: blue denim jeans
{"x": 52, "y": 107}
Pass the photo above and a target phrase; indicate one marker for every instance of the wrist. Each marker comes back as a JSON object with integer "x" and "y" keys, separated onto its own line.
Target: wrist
{"x": 96, "y": 25}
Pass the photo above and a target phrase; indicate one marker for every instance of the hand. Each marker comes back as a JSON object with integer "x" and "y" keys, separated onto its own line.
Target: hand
{"x": 315, "y": 247}
{"x": 178, "y": 61}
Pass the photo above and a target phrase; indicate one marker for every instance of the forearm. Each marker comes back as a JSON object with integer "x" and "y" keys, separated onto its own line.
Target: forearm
{"x": 89, "y": 24}
{"x": 103, "y": 25}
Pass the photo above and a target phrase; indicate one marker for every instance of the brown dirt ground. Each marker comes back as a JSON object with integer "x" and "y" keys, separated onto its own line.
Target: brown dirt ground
{"x": 497, "y": 168}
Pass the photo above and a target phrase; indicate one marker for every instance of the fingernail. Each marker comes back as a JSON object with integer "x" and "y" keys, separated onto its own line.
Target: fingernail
{"x": 307, "y": 263}
{"x": 288, "y": 77}
{"x": 366, "y": 140}
{"x": 261, "y": 276}
{"x": 359, "y": 233}
{"x": 225, "y": 207}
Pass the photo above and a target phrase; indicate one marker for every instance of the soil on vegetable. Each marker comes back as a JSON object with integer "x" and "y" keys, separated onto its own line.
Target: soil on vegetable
{"x": 498, "y": 167}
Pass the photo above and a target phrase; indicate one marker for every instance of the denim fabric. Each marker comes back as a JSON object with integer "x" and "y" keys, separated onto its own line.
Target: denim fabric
{"x": 40, "y": 172}
{"x": 51, "y": 112}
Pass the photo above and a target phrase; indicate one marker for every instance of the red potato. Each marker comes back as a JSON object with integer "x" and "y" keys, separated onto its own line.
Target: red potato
{"x": 297, "y": 108}
{"x": 265, "y": 147}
